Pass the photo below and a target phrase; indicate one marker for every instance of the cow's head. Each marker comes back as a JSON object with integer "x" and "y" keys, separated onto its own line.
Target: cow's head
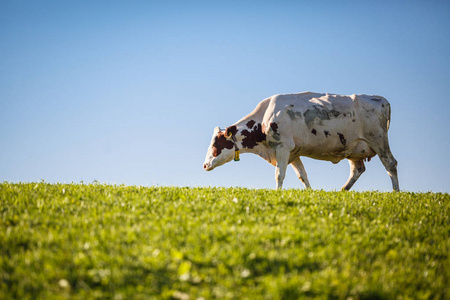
{"x": 221, "y": 149}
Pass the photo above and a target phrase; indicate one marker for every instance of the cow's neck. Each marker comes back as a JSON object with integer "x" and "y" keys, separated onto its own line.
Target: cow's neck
{"x": 252, "y": 139}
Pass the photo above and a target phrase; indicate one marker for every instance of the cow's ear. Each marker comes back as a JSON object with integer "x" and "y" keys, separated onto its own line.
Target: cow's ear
{"x": 232, "y": 130}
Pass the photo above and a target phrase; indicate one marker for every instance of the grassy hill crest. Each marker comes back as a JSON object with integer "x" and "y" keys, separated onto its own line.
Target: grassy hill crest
{"x": 104, "y": 241}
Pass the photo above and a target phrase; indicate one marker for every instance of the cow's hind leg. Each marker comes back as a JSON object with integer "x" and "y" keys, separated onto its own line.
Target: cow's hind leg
{"x": 390, "y": 163}
{"x": 356, "y": 169}
{"x": 299, "y": 169}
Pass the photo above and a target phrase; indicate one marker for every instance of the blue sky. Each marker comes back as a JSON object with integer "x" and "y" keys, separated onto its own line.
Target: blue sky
{"x": 130, "y": 91}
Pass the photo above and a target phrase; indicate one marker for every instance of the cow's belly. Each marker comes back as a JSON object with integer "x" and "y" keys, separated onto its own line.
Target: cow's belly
{"x": 334, "y": 149}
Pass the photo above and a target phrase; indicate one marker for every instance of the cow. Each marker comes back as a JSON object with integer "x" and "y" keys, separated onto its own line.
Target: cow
{"x": 323, "y": 126}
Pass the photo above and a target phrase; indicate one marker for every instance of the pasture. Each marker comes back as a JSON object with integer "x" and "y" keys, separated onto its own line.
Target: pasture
{"x": 81, "y": 241}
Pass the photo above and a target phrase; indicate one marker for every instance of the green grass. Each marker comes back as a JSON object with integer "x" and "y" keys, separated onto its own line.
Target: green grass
{"x": 123, "y": 242}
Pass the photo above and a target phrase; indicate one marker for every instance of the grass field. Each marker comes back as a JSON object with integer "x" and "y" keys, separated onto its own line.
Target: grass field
{"x": 124, "y": 242}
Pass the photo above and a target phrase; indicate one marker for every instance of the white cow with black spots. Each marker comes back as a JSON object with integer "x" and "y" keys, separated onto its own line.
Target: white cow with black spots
{"x": 321, "y": 126}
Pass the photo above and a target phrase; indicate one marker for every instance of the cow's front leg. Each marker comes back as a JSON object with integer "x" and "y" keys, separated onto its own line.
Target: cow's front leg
{"x": 282, "y": 155}
{"x": 299, "y": 169}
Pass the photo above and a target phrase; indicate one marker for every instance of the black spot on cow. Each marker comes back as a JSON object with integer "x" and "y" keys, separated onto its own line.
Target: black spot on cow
{"x": 293, "y": 114}
{"x": 274, "y": 127}
{"x": 273, "y": 144}
{"x": 232, "y": 130}
{"x": 319, "y": 113}
{"x": 250, "y": 124}
{"x": 375, "y": 99}
{"x": 313, "y": 131}
{"x": 326, "y": 132}
{"x": 253, "y": 137}
{"x": 342, "y": 138}
{"x": 220, "y": 143}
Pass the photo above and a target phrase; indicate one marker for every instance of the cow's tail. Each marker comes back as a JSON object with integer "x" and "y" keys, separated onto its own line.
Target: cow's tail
{"x": 385, "y": 110}
{"x": 388, "y": 115}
